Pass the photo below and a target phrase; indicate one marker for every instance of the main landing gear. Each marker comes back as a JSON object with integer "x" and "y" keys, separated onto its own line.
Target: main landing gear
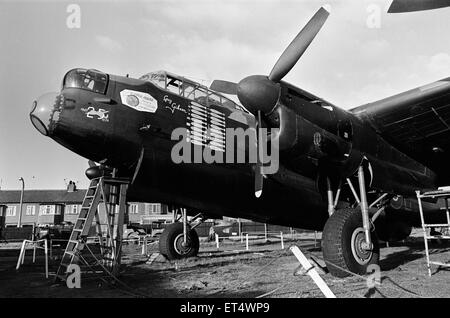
{"x": 179, "y": 239}
{"x": 349, "y": 242}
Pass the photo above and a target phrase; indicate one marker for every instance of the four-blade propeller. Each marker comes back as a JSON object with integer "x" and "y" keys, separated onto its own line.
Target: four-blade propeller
{"x": 260, "y": 94}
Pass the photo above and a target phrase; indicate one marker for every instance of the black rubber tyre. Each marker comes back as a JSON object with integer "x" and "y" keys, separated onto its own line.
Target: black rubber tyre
{"x": 171, "y": 239}
{"x": 338, "y": 251}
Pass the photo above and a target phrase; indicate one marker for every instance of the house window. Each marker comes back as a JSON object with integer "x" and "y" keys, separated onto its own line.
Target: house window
{"x": 47, "y": 210}
{"x": 31, "y": 210}
{"x": 73, "y": 209}
{"x": 133, "y": 208}
{"x": 152, "y": 208}
{"x": 11, "y": 211}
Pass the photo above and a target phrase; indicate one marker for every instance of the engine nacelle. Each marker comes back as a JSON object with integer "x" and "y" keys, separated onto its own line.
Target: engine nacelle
{"x": 299, "y": 137}
{"x": 390, "y": 170}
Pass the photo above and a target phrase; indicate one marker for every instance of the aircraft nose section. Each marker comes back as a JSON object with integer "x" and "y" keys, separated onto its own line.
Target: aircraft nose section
{"x": 42, "y": 112}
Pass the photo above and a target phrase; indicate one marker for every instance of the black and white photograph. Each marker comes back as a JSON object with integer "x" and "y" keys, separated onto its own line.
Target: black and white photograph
{"x": 224, "y": 156}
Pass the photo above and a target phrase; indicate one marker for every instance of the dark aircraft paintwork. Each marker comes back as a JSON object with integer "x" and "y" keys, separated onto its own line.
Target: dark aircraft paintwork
{"x": 389, "y": 149}
{"x": 294, "y": 196}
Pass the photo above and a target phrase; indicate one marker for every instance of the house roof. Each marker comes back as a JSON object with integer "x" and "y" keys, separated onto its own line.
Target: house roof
{"x": 42, "y": 196}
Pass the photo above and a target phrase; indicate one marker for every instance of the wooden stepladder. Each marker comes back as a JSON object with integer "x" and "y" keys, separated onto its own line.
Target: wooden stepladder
{"x": 111, "y": 193}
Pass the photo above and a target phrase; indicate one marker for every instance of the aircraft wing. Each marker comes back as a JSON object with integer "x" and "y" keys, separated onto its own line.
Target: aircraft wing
{"x": 416, "y": 122}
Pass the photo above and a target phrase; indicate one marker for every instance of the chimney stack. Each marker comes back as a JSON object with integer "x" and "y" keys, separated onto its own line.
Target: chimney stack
{"x": 71, "y": 187}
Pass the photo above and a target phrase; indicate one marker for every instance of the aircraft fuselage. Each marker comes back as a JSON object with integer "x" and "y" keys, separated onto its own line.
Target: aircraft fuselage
{"x": 129, "y": 123}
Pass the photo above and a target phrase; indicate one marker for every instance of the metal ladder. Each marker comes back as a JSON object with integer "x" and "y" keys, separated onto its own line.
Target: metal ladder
{"x": 111, "y": 192}
{"x": 443, "y": 193}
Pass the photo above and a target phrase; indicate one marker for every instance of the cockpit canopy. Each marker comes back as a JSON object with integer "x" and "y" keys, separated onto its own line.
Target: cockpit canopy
{"x": 188, "y": 89}
{"x": 91, "y": 80}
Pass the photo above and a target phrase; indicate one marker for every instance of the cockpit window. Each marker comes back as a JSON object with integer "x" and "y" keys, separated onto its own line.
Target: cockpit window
{"x": 174, "y": 85}
{"x": 188, "y": 89}
{"x": 91, "y": 80}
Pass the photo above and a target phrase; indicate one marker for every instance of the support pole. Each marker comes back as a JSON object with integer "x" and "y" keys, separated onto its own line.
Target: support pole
{"x": 122, "y": 189}
{"x": 46, "y": 258}
{"x": 364, "y": 208}
{"x": 330, "y": 197}
{"x": 240, "y": 228}
{"x": 246, "y": 241}
{"x": 448, "y": 214}
{"x": 312, "y": 272}
{"x": 350, "y": 184}
{"x": 424, "y": 231}
{"x": 282, "y": 241}
{"x": 217, "y": 241}
{"x": 19, "y": 222}
{"x": 338, "y": 194}
{"x": 144, "y": 246}
{"x": 34, "y": 252}
{"x": 184, "y": 226}
{"x": 22, "y": 251}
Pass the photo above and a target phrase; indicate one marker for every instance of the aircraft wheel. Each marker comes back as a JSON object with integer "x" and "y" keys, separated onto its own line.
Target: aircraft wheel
{"x": 171, "y": 242}
{"x": 342, "y": 240}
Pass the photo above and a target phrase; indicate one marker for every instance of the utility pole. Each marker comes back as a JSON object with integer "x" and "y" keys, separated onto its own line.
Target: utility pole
{"x": 19, "y": 222}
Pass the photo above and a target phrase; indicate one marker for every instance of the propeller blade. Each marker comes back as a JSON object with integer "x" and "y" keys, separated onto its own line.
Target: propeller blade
{"x": 258, "y": 169}
{"x": 224, "y": 87}
{"x": 91, "y": 163}
{"x": 402, "y": 6}
{"x": 298, "y": 46}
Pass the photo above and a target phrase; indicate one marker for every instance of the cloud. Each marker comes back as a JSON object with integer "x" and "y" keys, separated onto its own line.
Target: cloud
{"x": 439, "y": 64}
{"x": 107, "y": 43}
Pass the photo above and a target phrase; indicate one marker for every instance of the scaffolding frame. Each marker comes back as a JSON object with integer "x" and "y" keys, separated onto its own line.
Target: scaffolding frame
{"x": 442, "y": 193}
{"x": 111, "y": 193}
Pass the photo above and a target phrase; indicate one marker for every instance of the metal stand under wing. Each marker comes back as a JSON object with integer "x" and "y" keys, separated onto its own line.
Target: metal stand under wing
{"x": 443, "y": 193}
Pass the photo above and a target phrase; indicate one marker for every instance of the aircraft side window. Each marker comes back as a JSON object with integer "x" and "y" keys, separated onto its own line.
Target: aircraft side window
{"x": 174, "y": 85}
{"x": 86, "y": 79}
{"x": 201, "y": 96}
{"x": 88, "y": 83}
{"x": 158, "y": 79}
{"x": 189, "y": 91}
{"x": 215, "y": 99}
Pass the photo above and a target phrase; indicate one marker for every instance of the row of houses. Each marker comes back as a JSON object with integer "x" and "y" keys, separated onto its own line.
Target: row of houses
{"x": 48, "y": 207}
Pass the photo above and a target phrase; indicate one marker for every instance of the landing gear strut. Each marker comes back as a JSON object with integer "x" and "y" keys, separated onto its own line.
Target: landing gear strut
{"x": 349, "y": 243}
{"x": 180, "y": 240}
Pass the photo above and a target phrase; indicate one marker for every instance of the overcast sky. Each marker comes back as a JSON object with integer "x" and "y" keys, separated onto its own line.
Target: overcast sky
{"x": 358, "y": 57}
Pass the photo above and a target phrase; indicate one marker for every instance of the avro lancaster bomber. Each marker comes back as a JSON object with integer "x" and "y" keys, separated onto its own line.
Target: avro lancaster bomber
{"x": 349, "y": 173}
